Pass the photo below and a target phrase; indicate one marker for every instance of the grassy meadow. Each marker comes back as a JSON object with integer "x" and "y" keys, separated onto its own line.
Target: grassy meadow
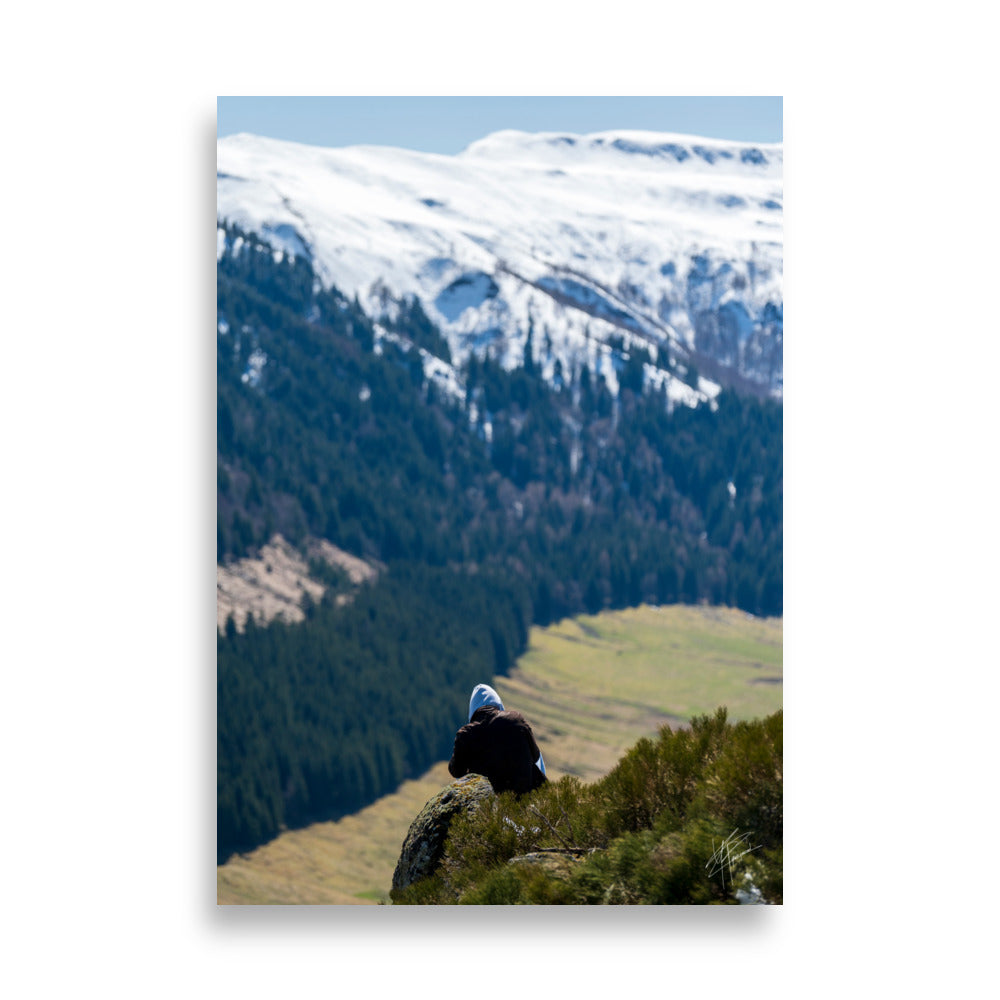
{"x": 590, "y": 687}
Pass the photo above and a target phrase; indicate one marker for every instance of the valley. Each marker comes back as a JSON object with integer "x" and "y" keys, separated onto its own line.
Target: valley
{"x": 590, "y": 686}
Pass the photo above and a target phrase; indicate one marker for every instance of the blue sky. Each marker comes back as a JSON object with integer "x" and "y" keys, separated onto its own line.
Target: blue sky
{"x": 449, "y": 124}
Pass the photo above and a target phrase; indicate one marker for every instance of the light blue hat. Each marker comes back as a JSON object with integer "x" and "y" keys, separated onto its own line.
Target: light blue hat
{"x": 483, "y": 694}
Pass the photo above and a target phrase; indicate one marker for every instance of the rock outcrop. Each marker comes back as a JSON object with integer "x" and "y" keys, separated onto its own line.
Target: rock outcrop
{"x": 557, "y": 865}
{"x": 423, "y": 847}
{"x": 275, "y": 583}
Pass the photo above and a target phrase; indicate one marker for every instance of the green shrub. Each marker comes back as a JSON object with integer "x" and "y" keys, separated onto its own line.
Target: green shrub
{"x": 743, "y": 786}
{"x": 661, "y": 777}
{"x": 680, "y": 819}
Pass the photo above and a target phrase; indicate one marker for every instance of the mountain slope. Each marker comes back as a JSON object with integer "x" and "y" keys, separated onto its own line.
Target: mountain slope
{"x": 329, "y": 428}
{"x": 669, "y": 242}
{"x": 514, "y": 502}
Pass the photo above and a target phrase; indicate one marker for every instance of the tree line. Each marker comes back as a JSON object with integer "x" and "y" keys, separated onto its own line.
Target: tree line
{"x": 320, "y": 718}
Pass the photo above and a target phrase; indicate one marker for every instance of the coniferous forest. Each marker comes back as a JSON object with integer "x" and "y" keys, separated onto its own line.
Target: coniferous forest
{"x": 515, "y": 501}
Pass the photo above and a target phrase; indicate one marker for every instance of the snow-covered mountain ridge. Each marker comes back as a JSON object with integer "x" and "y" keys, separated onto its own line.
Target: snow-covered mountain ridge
{"x": 671, "y": 241}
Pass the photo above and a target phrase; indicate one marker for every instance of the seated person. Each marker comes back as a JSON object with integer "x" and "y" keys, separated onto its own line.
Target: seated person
{"x": 498, "y": 744}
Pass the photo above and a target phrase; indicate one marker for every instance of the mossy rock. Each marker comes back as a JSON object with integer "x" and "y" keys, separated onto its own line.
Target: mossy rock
{"x": 423, "y": 847}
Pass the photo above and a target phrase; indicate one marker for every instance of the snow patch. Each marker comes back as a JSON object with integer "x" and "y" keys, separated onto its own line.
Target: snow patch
{"x": 666, "y": 237}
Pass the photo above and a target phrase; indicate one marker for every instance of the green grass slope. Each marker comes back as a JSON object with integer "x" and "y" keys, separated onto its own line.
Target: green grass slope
{"x": 592, "y": 686}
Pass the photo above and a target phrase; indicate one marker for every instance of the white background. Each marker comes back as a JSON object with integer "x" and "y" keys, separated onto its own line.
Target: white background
{"x": 890, "y": 541}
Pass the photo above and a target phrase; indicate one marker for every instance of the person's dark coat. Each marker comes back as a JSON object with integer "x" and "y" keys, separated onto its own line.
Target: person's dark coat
{"x": 500, "y": 745}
